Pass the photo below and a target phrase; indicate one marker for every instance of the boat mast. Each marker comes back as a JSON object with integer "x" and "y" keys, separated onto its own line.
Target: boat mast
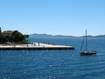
{"x": 86, "y": 39}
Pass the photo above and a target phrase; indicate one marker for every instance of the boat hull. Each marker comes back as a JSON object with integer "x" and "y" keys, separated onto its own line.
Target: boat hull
{"x": 87, "y": 53}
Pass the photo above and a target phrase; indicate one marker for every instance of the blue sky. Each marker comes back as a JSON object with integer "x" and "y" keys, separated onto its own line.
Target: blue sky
{"x": 57, "y": 17}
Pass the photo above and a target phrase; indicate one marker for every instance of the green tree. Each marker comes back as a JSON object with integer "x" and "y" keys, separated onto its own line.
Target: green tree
{"x": 11, "y": 37}
{"x": 18, "y": 37}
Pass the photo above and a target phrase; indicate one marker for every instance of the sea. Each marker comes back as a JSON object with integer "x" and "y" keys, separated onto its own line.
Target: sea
{"x": 54, "y": 64}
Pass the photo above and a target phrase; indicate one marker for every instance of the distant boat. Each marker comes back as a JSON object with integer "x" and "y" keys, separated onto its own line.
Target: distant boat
{"x": 86, "y": 52}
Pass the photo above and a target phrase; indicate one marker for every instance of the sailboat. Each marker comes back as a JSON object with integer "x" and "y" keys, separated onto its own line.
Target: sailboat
{"x": 86, "y": 52}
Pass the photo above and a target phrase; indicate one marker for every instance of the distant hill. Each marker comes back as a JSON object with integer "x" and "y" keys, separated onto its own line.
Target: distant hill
{"x": 59, "y": 39}
{"x": 100, "y": 36}
{"x": 62, "y": 36}
{"x": 49, "y": 36}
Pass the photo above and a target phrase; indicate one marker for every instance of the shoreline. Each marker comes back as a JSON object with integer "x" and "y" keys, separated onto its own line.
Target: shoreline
{"x": 35, "y": 46}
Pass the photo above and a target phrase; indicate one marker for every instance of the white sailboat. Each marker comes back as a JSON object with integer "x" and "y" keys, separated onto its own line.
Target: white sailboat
{"x": 86, "y": 52}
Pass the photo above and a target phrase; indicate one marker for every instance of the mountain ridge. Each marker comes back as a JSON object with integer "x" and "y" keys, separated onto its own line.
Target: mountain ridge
{"x": 59, "y": 36}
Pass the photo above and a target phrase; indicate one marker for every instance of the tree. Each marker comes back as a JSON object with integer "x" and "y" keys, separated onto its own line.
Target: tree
{"x": 18, "y": 37}
{"x": 11, "y": 37}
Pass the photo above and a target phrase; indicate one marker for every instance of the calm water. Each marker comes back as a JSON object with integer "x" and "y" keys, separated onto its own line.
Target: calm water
{"x": 54, "y": 64}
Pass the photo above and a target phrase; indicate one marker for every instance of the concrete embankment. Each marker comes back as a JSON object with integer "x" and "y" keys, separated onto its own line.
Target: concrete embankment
{"x": 40, "y": 46}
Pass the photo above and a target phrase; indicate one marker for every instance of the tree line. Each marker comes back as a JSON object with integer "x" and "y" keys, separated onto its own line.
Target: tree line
{"x": 13, "y": 37}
